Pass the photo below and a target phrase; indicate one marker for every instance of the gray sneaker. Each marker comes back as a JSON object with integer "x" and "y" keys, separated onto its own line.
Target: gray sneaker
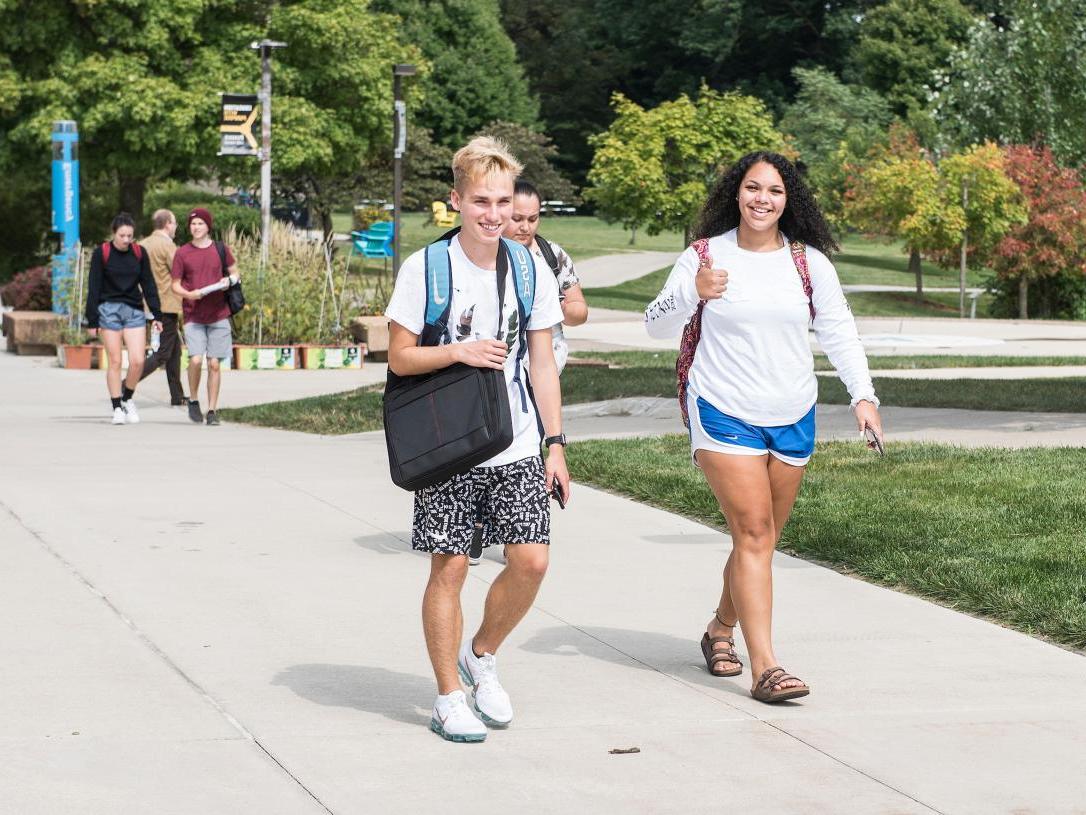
{"x": 212, "y": 417}
{"x": 194, "y": 411}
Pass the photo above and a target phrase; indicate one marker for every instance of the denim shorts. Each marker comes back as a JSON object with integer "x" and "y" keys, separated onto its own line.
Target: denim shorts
{"x": 116, "y": 316}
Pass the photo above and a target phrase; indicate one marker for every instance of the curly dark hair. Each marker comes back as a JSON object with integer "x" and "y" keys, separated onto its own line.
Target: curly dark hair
{"x": 801, "y": 220}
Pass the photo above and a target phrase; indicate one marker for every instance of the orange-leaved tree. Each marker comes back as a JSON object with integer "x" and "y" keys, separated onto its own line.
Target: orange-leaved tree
{"x": 1053, "y": 241}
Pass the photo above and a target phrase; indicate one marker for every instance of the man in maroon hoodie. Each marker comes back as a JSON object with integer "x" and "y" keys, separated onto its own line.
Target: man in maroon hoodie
{"x": 200, "y": 264}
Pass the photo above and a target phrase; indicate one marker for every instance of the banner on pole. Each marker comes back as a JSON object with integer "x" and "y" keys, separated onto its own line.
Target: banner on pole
{"x": 239, "y": 113}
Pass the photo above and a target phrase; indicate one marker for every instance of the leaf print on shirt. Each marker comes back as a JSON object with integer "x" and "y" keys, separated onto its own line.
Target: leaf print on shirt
{"x": 511, "y": 331}
{"x": 463, "y": 328}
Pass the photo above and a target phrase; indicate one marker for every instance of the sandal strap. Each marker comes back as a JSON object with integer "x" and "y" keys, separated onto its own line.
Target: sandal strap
{"x": 775, "y": 677}
{"x": 714, "y": 640}
{"x": 722, "y": 656}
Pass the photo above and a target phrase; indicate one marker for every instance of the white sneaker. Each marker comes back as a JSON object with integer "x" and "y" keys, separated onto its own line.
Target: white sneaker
{"x": 453, "y": 720}
{"x": 118, "y": 415}
{"x": 491, "y": 701}
{"x": 131, "y": 415}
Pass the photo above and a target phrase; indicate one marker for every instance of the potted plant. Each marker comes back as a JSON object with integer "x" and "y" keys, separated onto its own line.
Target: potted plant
{"x": 74, "y": 351}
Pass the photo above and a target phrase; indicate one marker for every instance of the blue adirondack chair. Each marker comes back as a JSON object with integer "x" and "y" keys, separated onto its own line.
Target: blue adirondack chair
{"x": 375, "y": 242}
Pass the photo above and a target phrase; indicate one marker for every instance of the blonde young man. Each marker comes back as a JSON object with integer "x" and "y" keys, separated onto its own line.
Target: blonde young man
{"x": 507, "y": 495}
{"x": 160, "y": 250}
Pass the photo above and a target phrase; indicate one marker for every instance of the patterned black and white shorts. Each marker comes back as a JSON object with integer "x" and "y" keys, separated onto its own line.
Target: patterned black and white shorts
{"x": 509, "y": 500}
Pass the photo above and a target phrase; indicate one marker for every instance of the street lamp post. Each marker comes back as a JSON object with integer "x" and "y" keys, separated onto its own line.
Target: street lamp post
{"x": 399, "y": 147}
{"x": 265, "y": 48}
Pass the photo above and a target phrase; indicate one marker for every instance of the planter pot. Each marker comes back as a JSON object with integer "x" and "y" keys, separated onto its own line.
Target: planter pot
{"x": 373, "y": 331}
{"x": 315, "y": 357}
{"x": 266, "y": 357}
{"x": 75, "y": 356}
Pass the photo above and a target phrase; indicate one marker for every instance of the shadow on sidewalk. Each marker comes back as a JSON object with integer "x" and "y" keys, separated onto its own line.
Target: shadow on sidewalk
{"x": 389, "y": 543}
{"x": 645, "y": 650}
{"x": 374, "y": 690}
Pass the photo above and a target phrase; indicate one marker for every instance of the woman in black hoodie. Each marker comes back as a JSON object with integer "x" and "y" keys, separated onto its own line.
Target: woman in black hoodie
{"x": 120, "y": 281}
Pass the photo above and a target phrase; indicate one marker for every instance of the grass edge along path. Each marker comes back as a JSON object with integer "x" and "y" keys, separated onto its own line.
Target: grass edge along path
{"x": 994, "y": 533}
{"x": 359, "y": 410}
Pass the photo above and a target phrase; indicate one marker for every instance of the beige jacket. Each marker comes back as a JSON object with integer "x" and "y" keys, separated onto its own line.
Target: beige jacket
{"x": 160, "y": 251}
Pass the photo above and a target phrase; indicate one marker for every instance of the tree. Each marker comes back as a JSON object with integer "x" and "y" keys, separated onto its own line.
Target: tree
{"x": 903, "y": 42}
{"x": 427, "y": 174}
{"x": 1021, "y": 79}
{"x": 901, "y": 192}
{"x": 579, "y": 52}
{"x": 991, "y": 203}
{"x": 141, "y": 81}
{"x": 1052, "y": 243}
{"x": 330, "y": 115}
{"x": 896, "y": 192}
{"x": 832, "y": 125}
{"x": 475, "y": 76}
{"x": 536, "y": 152}
{"x": 654, "y": 167}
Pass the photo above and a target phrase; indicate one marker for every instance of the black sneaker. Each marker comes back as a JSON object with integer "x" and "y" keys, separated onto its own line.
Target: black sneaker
{"x": 475, "y": 549}
{"x": 194, "y": 411}
{"x": 212, "y": 417}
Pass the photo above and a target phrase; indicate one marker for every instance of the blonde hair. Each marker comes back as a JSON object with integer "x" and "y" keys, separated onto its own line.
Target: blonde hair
{"x": 482, "y": 158}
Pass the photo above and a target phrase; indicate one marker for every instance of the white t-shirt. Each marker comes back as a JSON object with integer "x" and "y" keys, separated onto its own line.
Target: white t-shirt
{"x": 567, "y": 278}
{"x": 754, "y": 358}
{"x": 474, "y": 316}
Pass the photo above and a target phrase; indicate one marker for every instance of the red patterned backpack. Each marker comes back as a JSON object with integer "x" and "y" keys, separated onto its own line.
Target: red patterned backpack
{"x": 692, "y": 331}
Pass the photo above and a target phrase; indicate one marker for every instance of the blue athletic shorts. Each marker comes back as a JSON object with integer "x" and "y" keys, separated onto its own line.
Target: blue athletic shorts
{"x": 712, "y": 430}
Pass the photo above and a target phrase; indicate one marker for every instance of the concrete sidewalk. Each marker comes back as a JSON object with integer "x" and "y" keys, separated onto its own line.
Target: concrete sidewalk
{"x": 249, "y": 641}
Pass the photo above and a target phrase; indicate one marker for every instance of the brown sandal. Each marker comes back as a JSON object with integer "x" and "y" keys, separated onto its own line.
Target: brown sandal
{"x": 773, "y": 678}
{"x": 714, "y": 657}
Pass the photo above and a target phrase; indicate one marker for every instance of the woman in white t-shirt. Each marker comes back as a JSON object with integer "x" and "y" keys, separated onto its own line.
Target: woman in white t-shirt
{"x": 549, "y": 256}
{"x": 751, "y": 388}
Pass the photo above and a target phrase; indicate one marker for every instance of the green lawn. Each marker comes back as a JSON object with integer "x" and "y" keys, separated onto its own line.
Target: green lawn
{"x": 991, "y": 532}
{"x": 582, "y": 236}
{"x": 634, "y": 295}
{"x": 666, "y": 359}
{"x": 360, "y": 410}
{"x": 873, "y": 261}
{"x": 355, "y": 411}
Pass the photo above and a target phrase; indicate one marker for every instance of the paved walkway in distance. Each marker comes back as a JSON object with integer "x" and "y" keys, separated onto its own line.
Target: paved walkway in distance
{"x": 223, "y": 620}
{"x": 610, "y": 270}
{"x": 611, "y": 330}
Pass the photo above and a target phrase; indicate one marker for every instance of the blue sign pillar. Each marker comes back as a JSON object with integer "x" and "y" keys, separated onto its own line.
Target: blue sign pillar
{"x": 65, "y": 206}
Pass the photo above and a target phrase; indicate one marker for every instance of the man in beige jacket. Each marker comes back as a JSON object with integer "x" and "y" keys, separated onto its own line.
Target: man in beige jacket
{"x": 160, "y": 250}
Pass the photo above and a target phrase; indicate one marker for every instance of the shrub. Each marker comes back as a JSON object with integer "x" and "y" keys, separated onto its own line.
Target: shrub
{"x": 243, "y": 220}
{"x": 31, "y": 290}
{"x": 294, "y": 306}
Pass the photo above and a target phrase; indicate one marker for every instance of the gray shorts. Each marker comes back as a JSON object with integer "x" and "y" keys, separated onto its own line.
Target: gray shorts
{"x": 209, "y": 339}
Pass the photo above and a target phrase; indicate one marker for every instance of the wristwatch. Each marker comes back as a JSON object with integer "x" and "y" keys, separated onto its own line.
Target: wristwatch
{"x": 559, "y": 439}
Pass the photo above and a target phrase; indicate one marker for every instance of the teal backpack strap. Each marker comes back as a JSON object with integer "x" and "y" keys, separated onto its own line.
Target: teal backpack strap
{"x": 438, "y": 293}
{"x": 522, "y": 268}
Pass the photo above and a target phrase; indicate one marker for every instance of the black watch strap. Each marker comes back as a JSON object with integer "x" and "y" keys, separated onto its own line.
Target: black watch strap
{"x": 559, "y": 439}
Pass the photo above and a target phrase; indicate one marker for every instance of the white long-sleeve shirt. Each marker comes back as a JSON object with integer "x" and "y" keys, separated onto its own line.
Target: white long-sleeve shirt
{"x": 754, "y": 359}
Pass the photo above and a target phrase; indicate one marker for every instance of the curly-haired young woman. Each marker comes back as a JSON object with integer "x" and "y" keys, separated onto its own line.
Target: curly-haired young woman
{"x": 761, "y": 269}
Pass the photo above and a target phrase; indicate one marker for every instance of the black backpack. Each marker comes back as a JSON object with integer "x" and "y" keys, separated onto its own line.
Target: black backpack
{"x": 548, "y": 254}
{"x": 442, "y": 424}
